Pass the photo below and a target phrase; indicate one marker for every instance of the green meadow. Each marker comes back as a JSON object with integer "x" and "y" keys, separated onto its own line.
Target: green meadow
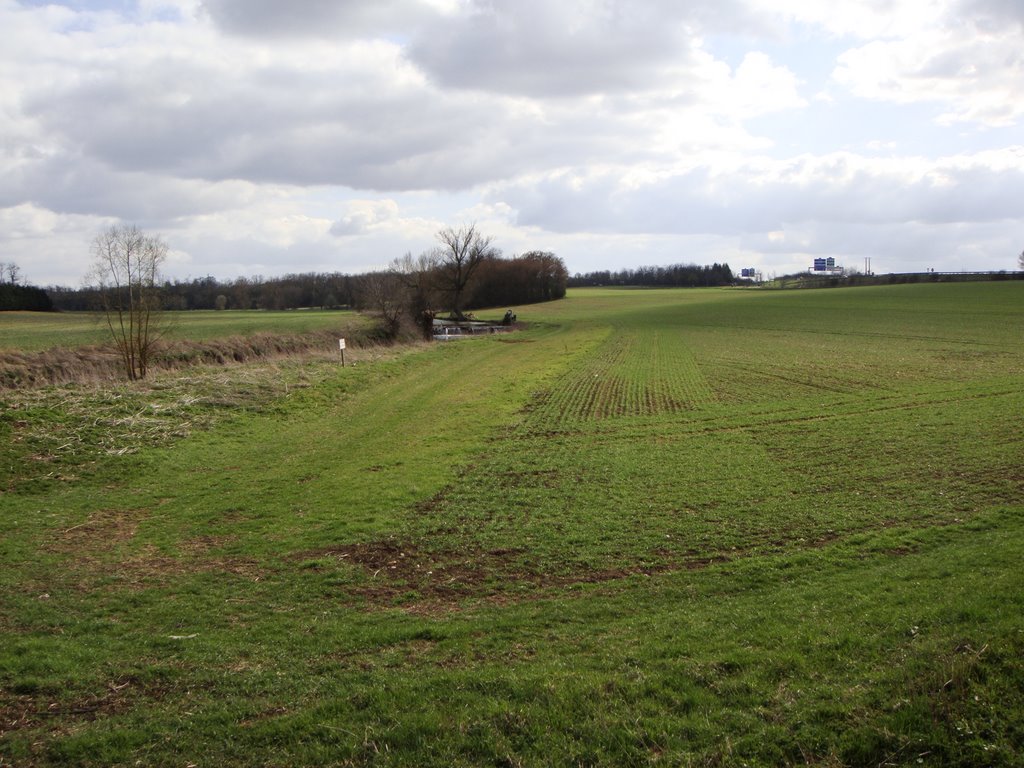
{"x": 699, "y": 527}
{"x": 36, "y": 331}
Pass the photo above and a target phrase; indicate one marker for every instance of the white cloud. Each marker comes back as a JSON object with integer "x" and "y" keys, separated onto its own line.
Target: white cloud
{"x": 363, "y": 216}
{"x": 539, "y": 48}
{"x": 763, "y": 196}
{"x": 973, "y": 76}
{"x": 320, "y": 18}
{"x": 50, "y": 248}
{"x": 177, "y": 100}
{"x": 760, "y": 86}
{"x": 964, "y": 56}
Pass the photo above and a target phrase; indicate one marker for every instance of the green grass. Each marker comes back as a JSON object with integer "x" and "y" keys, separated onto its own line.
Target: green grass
{"x": 703, "y": 527}
{"x": 35, "y": 331}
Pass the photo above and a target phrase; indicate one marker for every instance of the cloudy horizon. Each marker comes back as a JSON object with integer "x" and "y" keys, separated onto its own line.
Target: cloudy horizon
{"x": 262, "y": 138}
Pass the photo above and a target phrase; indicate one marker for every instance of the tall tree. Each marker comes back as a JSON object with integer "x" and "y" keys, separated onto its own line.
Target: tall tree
{"x": 461, "y": 253}
{"x": 126, "y": 271}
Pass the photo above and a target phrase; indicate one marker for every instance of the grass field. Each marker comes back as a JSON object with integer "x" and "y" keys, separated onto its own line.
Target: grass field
{"x": 35, "y": 331}
{"x": 676, "y": 527}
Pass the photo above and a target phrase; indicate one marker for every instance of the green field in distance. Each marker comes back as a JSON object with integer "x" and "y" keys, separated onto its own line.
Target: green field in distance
{"x": 35, "y": 331}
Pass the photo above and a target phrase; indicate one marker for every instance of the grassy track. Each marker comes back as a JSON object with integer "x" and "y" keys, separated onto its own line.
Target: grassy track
{"x": 673, "y": 527}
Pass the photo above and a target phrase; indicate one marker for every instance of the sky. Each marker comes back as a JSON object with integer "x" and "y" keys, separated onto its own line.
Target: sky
{"x": 258, "y": 137}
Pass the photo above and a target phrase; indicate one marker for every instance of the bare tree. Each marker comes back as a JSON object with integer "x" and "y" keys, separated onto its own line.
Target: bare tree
{"x": 1020, "y": 260}
{"x": 126, "y": 270}
{"x": 383, "y": 294}
{"x": 419, "y": 277}
{"x": 461, "y": 253}
{"x": 10, "y": 273}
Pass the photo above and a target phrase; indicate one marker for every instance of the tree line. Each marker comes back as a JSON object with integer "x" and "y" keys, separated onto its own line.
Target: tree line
{"x": 25, "y": 298}
{"x": 465, "y": 272}
{"x": 16, "y": 296}
{"x": 293, "y": 291}
{"x": 674, "y": 275}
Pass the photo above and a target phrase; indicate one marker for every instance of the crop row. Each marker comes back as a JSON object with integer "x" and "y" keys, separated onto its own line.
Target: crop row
{"x": 639, "y": 373}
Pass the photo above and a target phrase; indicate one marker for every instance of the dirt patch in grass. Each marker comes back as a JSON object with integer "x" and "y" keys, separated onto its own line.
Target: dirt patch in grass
{"x": 52, "y": 712}
{"x": 103, "y": 531}
{"x": 546, "y": 478}
{"x": 266, "y": 714}
{"x": 436, "y": 581}
{"x": 101, "y": 548}
{"x": 434, "y": 578}
{"x": 395, "y": 567}
{"x": 201, "y": 545}
{"x": 93, "y": 557}
{"x": 149, "y": 568}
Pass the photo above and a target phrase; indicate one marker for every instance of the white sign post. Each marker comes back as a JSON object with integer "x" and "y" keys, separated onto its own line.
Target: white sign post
{"x": 341, "y": 346}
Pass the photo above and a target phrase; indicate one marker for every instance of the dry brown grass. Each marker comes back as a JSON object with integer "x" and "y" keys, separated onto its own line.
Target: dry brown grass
{"x": 60, "y": 365}
{"x": 102, "y": 364}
